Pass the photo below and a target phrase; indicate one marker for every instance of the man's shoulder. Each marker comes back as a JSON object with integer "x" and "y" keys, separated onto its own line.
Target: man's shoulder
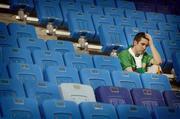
{"x": 124, "y": 53}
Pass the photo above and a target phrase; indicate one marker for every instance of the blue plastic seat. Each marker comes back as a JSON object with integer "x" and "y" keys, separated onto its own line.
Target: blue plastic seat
{"x": 156, "y": 17}
{"x": 174, "y": 36}
{"x": 92, "y": 9}
{"x": 95, "y": 77}
{"x": 172, "y": 18}
{"x": 60, "y": 109}
{"x": 11, "y": 88}
{"x": 16, "y": 55}
{"x": 155, "y": 81}
{"x": 166, "y": 113}
{"x": 32, "y": 44}
{"x": 124, "y": 21}
{"x": 127, "y": 80}
{"x": 99, "y": 20}
{"x": 172, "y": 98}
{"x": 3, "y": 31}
{"x": 18, "y": 30}
{"x": 105, "y": 3}
{"x": 60, "y": 46}
{"x": 132, "y": 111}
{"x": 81, "y": 24}
{"x": 159, "y": 34}
{"x": 41, "y": 91}
{"x": 113, "y": 95}
{"x": 78, "y": 61}
{"x": 176, "y": 65}
{"x": 107, "y": 62}
{"x": 112, "y": 37}
{"x": 60, "y": 75}
{"x": 146, "y": 24}
{"x": 19, "y": 108}
{"x": 91, "y": 2}
{"x": 25, "y": 72}
{"x": 68, "y": 6}
{"x": 135, "y": 14}
{"x": 93, "y": 110}
{"x": 27, "y": 5}
{"x": 149, "y": 98}
{"x": 3, "y": 71}
{"x": 168, "y": 27}
{"x": 125, "y": 4}
{"x": 48, "y": 12}
{"x": 130, "y": 33}
{"x": 46, "y": 58}
{"x": 8, "y": 41}
{"x": 111, "y": 11}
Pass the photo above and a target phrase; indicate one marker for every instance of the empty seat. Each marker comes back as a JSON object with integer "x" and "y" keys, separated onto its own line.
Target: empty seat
{"x": 172, "y": 98}
{"x": 149, "y": 98}
{"x": 80, "y": 24}
{"x": 3, "y": 71}
{"x": 174, "y": 36}
{"x": 91, "y": 2}
{"x": 98, "y": 20}
{"x": 95, "y": 77}
{"x": 32, "y": 44}
{"x": 176, "y": 65}
{"x": 156, "y": 17}
{"x": 46, "y": 58}
{"x": 16, "y": 55}
{"x": 93, "y": 110}
{"x": 60, "y": 109}
{"x": 78, "y": 61}
{"x": 25, "y": 72}
{"x": 113, "y": 95}
{"x": 166, "y": 113}
{"x": 58, "y": 75}
{"x": 169, "y": 47}
{"x": 105, "y": 3}
{"x": 144, "y": 6}
{"x": 111, "y": 11}
{"x": 60, "y": 46}
{"x": 69, "y": 6}
{"x": 48, "y": 12}
{"x": 77, "y": 92}
{"x": 155, "y": 81}
{"x": 18, "y": 30}
{"x": 125, "y": 4}
{"x": 132, "y": 111}
{"x": 19, "y": 108}
{"x": 159, "y": 34}
{"x": 41, "y": 91}
{"x": 172, "y": 18}
{"x": 130, "y": 33}
{"x": 168, "y": 27}
{"x": 11, "y": 88}
{"x": 146, "y": 24}
{"x": 124, "y": 21}
{"x": 9, "y": 41}
{"x": 106, "y": 62}
{"x": 26, "y": 5}
{"x": 135, "y": 14}
{"x": 127, "y": 80}
{"x": 112, "y": 37}
{"x": 92, "y": 9}
{"x": 3, "y": 31}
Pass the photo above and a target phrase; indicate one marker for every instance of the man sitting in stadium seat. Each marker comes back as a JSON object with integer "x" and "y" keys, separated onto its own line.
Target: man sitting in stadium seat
{"x": 136, "y": 59}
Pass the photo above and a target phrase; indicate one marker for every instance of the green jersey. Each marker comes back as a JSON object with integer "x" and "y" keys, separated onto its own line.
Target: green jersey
{"x": 127, "y": 60}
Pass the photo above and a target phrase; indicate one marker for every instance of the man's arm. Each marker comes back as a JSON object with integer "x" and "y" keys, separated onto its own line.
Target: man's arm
{"x": 156, "y": 57}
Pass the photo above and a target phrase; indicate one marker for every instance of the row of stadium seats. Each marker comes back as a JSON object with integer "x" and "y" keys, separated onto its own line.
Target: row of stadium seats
{"x": 27, "y": 108}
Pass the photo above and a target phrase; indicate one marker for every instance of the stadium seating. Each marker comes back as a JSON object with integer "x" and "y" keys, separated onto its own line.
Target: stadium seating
{"x": 95, "y": 77}
{"x": 125, "y": 4}
{"x": 78, "y": 61}
{"x": 112, "y": 37}
{"x": 132, "y": 111}
{"x": 156, "y": 17}
{"x": 48, "y": 12}
{"x": 174, "y": 36}
{"x": 93, "y": 110}
{"x": 170, "y": 27}
{"x": 92, "y": 9}
{"x": 19, "y": 108}
{"x": 173, "y": 18}
{"x": 3, "y": 31}
{"x": 135, "y": 14}
{"x": 113, "y": 95}
{"x": 60, "y": 109}
{"x": 127, "y": 80}
{"x": 124, "y": 21}
{"x": 176, "y": 65}
{"x": 106, "y": 62}
{"x": 172, "y": 98}
{"x": 146, "y": 24}
{"x": 155, "y": 81}
{"x": 77, "y": 92}
{"x": 25, "y": 72}
{"x": 90, "y": 2}
{"x": 8, "y": 42}
{"x": 60, "y": 46}
{"x": 11, "y": 88}
{"x": 58, "y": 75}
{"x": 105, "y": 3}
{"x": 111, "y": 11}
{"x": 159, "y": 34}
{"x": 3, "y": 71}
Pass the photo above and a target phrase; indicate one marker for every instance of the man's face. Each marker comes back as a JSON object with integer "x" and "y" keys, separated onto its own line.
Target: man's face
{"x": 141, "y": 45}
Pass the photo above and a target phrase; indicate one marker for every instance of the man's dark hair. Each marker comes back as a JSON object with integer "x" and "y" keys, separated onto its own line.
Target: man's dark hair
{"x": 140, "y": 35}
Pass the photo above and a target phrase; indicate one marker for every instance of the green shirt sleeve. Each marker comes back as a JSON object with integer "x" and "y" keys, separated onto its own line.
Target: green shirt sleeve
{"x": 147, "y": 58}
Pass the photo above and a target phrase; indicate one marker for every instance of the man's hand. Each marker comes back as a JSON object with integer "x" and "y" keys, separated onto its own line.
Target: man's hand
{"x": 150, "y": 39}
